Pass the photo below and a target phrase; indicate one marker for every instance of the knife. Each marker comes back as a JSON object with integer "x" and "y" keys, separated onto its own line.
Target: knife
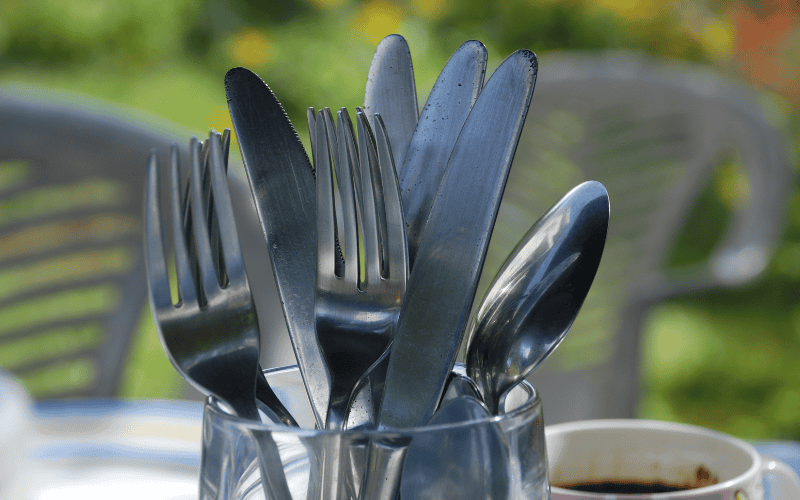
{"x": 284, "y": 190}
{"x": 439, "y": 125}
{"x": 391, "y": 91}
{"x": 445, "y": 111}
{"x": 453, "y": 246}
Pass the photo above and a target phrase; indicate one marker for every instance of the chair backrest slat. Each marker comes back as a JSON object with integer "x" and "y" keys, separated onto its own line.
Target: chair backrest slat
{"x": 71, "y": 265}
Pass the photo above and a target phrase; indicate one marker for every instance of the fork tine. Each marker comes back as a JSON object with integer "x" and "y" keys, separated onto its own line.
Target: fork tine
{"x": 186, "y": 210}
{"x": 223, "y": 210}
{"x": 329, "y": 137}
{"x": 326, "y": 222}
{"x": 208, "y": 196}
{"x": 396, "y": 243}
{"x": 380, "y": 208}
{"x": 368, "y": 159}
{"x": 155, "y": 256}
{"x": 349, "y": 140}
{"x": 205, "y": 174}
{"x": 311, "y": 117}
{"x": 348, "y": 137}
{"x": 226, "y": 146}
{"x": 206, "y": 270}
{"x": 347, "y": 228}
{"x": 216, "y": 244}
{"x": 187, "y": 194}
{"x": 187, "y": 289}
{"x": 333, "y": 147}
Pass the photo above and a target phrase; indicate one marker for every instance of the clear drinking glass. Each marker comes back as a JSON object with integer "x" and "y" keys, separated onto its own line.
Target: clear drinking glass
{"x": 498, "y": 457}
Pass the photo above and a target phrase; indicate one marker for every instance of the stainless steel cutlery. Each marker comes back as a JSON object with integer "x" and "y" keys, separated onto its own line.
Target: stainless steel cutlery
{"x": 392, "y": 93}
{"x": 211, "y": 334}
{"x": 439, "y": 126}
{"x": 453, "y": 244}
{"x": 284, "y": 190}
{"x": 536, "y": 295}
{"x": 376, "y": 253}
{"x": 356, "y": 312}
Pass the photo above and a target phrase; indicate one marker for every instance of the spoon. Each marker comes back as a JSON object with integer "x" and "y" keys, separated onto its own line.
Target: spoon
{"x": 535, "y": 297}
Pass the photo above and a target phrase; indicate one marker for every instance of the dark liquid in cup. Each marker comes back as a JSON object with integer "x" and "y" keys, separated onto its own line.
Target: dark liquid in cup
{"x": 623, "y": 487}
{"x": 702, "y": 478}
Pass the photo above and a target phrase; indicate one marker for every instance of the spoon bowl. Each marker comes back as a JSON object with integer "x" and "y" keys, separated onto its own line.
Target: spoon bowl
{"x": 535, "y": 297}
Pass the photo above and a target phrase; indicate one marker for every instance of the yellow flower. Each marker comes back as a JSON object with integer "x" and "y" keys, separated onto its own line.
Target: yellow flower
{"x": 220, "y": 119}
{"x": 326, "y": 4}
{"x": 376, "y": 20}
{"x": 430, "y": 9}
{"x": 717, "y": 38}
{"x": 634, "y": 9}
{"x": 251, "y": 47}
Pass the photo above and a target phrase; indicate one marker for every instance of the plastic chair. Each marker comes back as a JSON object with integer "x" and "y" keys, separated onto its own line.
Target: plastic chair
{"x": 72, "y": 280}
{"x": 653, "y": 133}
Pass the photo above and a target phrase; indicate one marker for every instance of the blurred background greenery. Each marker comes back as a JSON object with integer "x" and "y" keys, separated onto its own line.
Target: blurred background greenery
{"x": 727, "y": 361}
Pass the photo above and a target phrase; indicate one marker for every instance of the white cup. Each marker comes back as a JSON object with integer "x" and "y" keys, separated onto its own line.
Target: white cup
{"x": 716, "y": 465}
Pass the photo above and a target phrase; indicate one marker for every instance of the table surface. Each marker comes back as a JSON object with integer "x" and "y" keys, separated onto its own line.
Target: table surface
{"x": 90, "y": 449}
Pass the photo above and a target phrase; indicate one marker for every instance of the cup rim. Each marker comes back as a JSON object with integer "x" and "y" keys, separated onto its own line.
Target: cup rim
{"x": 529, "y": 407}
{"x": 643, "y": 424}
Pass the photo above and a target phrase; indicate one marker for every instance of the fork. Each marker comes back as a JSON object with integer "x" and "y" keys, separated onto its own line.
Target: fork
{"x": 275, "y": 410}
{"x": 356, "y": 313}
{"x": 211, "y": 335}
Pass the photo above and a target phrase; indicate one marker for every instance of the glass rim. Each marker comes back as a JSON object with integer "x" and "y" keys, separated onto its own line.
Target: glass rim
{"x": 529, "y": 407}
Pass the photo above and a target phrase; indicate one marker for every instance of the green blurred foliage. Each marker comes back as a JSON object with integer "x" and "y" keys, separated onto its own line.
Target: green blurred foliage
{"x": 107, "y": 49}
{"x": 724, "y": 360}
{"x": 63, "y": 33}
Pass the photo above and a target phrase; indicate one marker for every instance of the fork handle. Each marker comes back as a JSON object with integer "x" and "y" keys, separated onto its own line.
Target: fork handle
{"x": 273, "y": 477}
{"x": 338, "y": 406}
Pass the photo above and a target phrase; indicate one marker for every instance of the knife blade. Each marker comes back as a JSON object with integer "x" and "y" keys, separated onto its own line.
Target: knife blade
{"x": 391, "y": 91}
{"x": 439, "y": 125}
{"x": 453, "y": 245}
{"x": 283, "y": 186}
